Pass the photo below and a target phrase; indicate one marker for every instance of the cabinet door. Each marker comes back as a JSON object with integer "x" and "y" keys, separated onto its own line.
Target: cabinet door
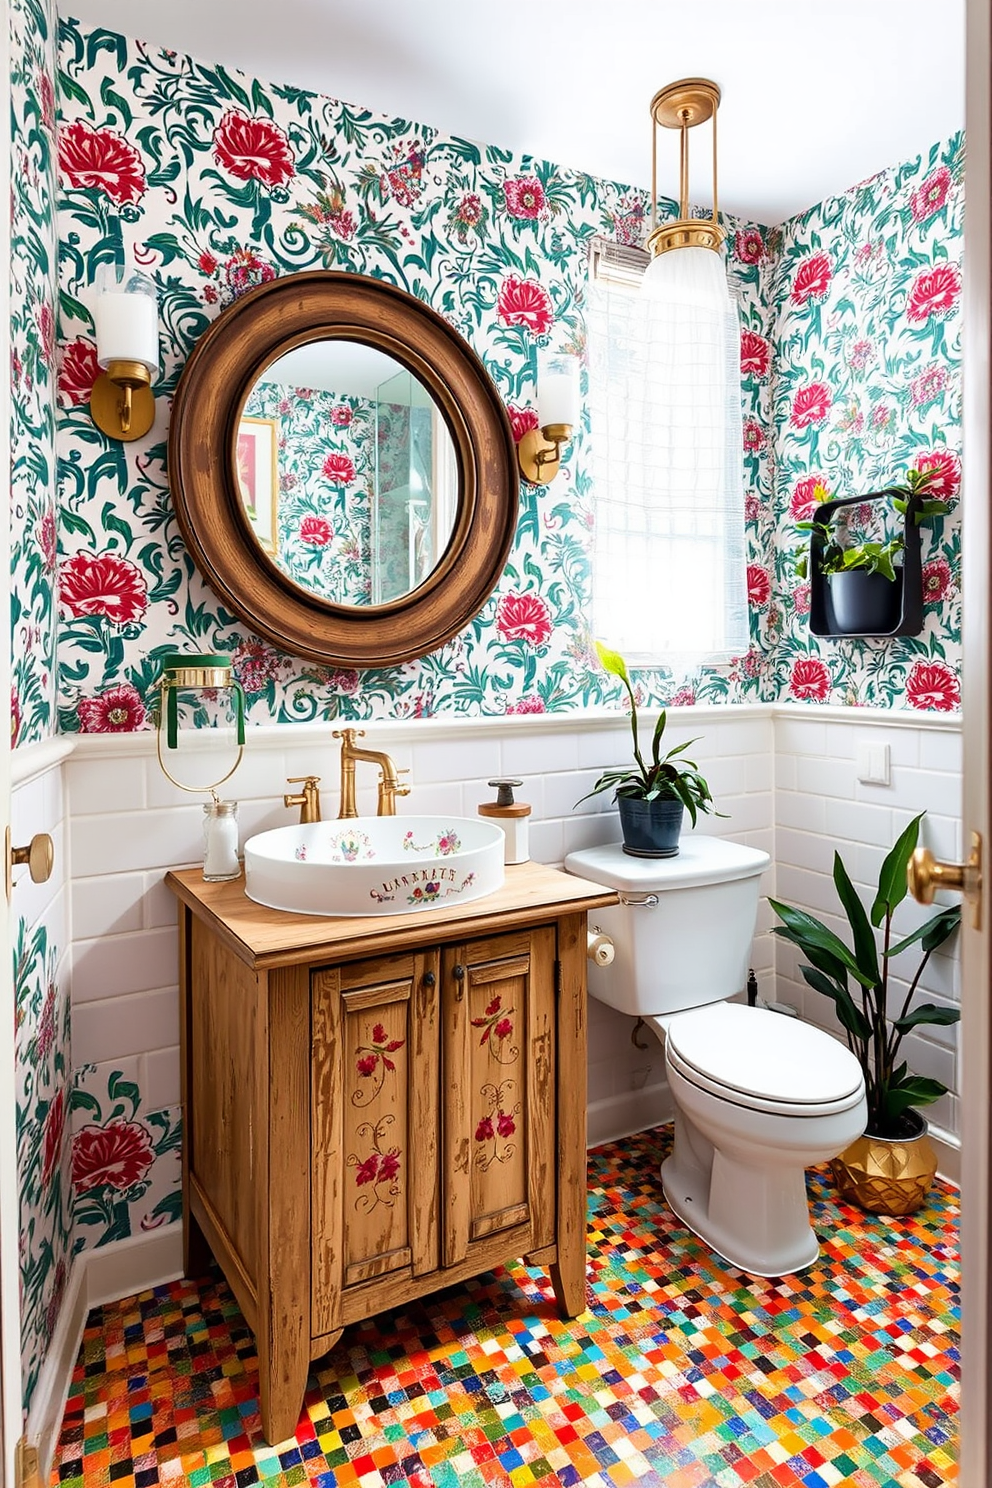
{"x": 498, "y": 1168}
{"x": 375, "y": 1120}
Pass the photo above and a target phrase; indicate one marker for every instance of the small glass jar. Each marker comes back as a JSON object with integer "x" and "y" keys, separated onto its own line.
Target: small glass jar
{"x": 220, "y": 839}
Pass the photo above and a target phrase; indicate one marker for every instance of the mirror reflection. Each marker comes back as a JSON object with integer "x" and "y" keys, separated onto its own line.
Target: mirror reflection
{"x": 347, "y": 472}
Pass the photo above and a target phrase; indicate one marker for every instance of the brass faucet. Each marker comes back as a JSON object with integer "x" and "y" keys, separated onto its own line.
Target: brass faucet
{"x": 389, "y": 785}
{"x": 309, "y": 798}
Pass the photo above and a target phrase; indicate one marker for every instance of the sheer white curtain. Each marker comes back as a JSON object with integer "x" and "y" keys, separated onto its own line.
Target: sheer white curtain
{"x": 669, "y": 584}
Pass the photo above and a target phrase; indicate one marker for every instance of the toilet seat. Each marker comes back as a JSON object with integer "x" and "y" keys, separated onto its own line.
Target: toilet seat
{"x": 759, "y": 1059}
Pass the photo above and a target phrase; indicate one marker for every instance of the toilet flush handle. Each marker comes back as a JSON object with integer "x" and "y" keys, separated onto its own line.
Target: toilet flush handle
{"x": 639, "y": 901}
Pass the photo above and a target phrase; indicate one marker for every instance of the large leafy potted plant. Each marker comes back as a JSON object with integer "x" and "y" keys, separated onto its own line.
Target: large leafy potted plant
{"x": 651, "y": 798}
{"x": 889, "y": 1170}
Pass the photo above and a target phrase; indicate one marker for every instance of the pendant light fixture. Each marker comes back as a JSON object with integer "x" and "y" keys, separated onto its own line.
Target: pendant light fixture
{"x": 686, "y": 264}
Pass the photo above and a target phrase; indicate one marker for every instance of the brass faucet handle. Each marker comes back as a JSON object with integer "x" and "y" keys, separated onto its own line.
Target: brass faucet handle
{"x": 348, "y": 734}
{"x": 310, "y": 780}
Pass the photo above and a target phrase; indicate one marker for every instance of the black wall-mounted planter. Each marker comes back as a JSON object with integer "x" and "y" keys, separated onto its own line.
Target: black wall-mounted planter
{"x": 870, "y": 606}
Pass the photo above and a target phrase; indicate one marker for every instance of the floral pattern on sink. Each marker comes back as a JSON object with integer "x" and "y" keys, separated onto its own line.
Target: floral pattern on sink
{"x": 446, "y": 842}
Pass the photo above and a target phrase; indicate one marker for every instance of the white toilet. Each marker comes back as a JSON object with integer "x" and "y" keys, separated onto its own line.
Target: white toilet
{"x": 759, "y": 1097}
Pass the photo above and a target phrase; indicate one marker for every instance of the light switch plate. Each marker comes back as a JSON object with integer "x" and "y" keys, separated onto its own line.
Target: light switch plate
{"x": 874, "y": 764}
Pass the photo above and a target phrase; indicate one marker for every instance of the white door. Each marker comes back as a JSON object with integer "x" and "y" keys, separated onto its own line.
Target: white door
{"x": 10, "y": 1348}
{"x": 976, "y": 1368}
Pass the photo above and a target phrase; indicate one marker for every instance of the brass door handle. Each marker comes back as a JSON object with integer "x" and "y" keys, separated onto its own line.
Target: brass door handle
{"x": 926, "y": 874}
{"x": 39, "y": 856}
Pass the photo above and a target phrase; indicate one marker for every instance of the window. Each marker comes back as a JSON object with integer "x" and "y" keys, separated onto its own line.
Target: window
{"x": 669, "y": 584}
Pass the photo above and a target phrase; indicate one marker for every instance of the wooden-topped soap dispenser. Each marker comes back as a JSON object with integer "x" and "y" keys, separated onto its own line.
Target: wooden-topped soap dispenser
{"x": 511, "y": 816}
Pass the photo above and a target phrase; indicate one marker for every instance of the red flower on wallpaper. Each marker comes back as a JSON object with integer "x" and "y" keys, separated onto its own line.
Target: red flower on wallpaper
{"x": 525, "y": 302}
{"x": 341, "y": 416}
{"x": 754, "y": 436}
{"x": 119, "y": 710}
{"x": 934, "y": 293}
{"x": 933, "y": 688}
{"x": 810, "y": 679}
{"x": 339, "y": 469}
{"x": 523, "y": 617}
{"x": 684, "y": 697}
{"x": 810, "y": 405}
{"x": 253, "y": 149}
{"x": 244, "y": 270}
{"x": 15, "y": 717}
{"x": 46, "y": 333}
{"x": 117, "y": 1155}
{"x": 800, "y": 600}
{"x": 749, "y": 246}
{"x": 101, "y": 160}
{"x": 206, "y": 263}
{"x": 812, "y": 279}
{"x": 316, "y": 532}
{"x": 947, "y": 477}
{"x": 524, "y": 197}
{"x": 936, "y": 580}
{"x": 255, "y": 666}
{"x": 928, "y": 385}
{"x": 929, "y": 197}
{"x": 755, "y": 355}
{"x": 759, "y": 586}
{"x": 752, "y": 507}
{"x": 103, "y": 584}
{"x": 48, "y": 539}
{"x": 522, "y": 420}
{"x": 78, "y": 371}
{"x": 52, "y": 1142}
{"x": 343, "y": 679}
{"x": 805, "y": 500}
{"x": 528, "y": 705}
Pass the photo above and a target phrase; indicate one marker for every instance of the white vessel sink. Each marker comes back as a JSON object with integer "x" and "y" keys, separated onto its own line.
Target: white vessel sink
{"x": 374, "y": 865}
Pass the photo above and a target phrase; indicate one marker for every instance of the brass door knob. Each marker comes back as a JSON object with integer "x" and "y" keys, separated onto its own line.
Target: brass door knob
{"x": 39, "y": 856}
{"x": 926, "y": 874}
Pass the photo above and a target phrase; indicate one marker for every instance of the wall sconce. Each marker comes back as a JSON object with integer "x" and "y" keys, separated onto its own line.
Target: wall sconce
{"x": 126, "y": 317}
{"x": 539, "y": 451}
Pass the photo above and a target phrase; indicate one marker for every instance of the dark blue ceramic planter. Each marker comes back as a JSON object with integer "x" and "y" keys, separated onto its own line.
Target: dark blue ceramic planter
{"x": 650, "y": 828}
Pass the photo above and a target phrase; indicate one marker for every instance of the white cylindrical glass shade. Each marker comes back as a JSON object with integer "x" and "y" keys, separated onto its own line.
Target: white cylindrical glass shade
{"x": 126, "y": 317}
{"x": 687, "y": 276}
{"x": 557, "y": 389}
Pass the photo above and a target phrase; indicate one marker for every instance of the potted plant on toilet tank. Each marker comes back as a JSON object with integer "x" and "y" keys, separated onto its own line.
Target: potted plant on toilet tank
{"x": 651, "y": 797}
{"x": 889, "y": 1170}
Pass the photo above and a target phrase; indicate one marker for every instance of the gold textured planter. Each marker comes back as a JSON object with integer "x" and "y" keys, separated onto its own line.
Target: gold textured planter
{"x": 886, "y": 1176}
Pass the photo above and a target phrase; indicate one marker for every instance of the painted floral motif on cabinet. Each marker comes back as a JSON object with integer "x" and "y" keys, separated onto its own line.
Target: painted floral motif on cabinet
{"x": 125, "y": 1159}
{"x": 41, "y": 1003}
{"x": 218, "y": 182}
{"x": 33, "y": 270}
{"x": 867, "y": 356}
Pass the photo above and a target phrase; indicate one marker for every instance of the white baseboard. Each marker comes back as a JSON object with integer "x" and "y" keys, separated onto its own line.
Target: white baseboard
{"x": 619, "y": 1116}
{"x": 948, "y": 1149}
{"x": 95, "y": 1276}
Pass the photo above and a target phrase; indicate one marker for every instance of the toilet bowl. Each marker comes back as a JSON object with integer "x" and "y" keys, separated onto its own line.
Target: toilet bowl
{"x": 758, "y": 1097}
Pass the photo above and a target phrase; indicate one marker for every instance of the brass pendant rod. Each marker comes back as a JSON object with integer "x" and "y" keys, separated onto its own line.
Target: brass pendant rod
{"x": 684, "y": 165}
{"x": 715, "y": 214}
{"x": 654, "y": 173}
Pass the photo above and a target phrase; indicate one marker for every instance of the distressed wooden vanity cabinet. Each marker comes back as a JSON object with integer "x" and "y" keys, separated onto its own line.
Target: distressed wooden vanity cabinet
{"x": 375, "y": 1108}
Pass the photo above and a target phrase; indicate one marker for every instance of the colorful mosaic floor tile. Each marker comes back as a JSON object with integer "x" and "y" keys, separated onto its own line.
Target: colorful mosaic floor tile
{"x": 683, "y": 1372}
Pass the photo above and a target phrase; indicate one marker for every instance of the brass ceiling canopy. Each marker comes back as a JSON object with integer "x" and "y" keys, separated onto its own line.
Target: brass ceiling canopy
{"x": 682, "y": 106}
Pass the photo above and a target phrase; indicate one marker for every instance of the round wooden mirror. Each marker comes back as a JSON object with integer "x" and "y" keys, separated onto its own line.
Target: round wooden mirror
{"x": 343, "y": 469}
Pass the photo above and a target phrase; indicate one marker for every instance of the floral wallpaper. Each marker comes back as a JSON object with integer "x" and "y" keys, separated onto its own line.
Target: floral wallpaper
{"x": 33, "y": 269}
{"x": 867, "y": 356}
{"x": 126, "y": 1161}
{"x": 42, "y": 1075}
{"x": 326, "y": 456}
{"x": 216, "y": 182}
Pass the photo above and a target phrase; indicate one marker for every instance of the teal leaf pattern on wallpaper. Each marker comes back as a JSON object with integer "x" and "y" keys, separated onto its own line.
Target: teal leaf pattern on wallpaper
{"x": 867, "y": 355}
{"x": 125, "y": 1161}
{"x": 41, "y": 1011}
{"x": 217, "y": 182}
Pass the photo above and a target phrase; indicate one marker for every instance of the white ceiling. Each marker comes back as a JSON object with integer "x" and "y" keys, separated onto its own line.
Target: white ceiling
{"x": 817, "y": 94}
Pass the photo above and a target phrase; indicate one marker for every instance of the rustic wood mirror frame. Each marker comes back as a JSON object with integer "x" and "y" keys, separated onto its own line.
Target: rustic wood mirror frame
{"x": 266, "y": 323}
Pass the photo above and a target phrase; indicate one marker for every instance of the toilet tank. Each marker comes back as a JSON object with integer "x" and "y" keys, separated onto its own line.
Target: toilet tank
{"x": 684, "y": 926}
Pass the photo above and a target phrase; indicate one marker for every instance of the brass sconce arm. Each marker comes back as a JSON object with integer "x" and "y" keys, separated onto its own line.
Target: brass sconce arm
{"x": 539, "y": 452}
{"x": 122, "y": 403}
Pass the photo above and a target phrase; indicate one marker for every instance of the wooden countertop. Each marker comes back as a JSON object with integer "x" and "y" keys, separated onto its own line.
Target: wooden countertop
{"x": 272, "y": 937}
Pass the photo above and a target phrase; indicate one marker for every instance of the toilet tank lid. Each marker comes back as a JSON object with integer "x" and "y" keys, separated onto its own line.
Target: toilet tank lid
{"x": 700, "y": 860}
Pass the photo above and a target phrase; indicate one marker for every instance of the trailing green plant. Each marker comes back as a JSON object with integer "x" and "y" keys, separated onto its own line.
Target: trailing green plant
{"x": 670, "y": 778}
{"x": 873, "y": 1034}
{"x": 836, "y": 556}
